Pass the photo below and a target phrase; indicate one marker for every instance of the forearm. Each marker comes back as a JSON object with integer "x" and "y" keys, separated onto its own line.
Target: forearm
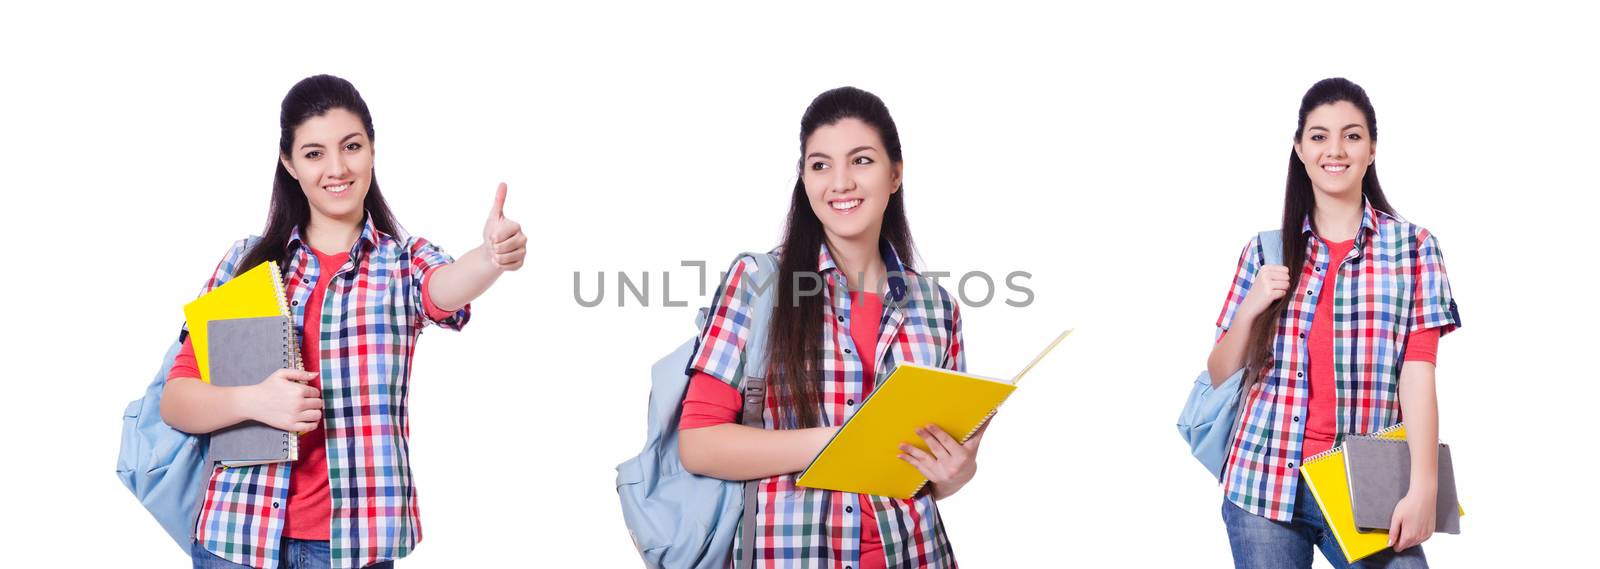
{"x": 1419, "y": 405}
{"x": 194, "y": 406}
{"x": 452, "y": 286}
{"x": 736, "y": 452}
{"x": 1227, "y": 356}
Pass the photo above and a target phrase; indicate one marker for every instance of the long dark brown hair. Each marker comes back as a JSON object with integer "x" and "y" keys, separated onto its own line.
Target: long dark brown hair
{"x": 311, "y": 97}
{"x": 1298, "y": 202}
{"x": 795, "y": 340}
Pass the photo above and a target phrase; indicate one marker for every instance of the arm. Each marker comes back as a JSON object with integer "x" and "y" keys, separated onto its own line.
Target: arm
{"x": 282, "y": 401}
{"x": 1227, "y": 356}
{"x": 1268, "y": 284}
{"x": 504, "y": 246}
{"x": 1433, "y": 315}
{"x": 1414, "y": 517}
{"x": 194, "y": 406}
{"x": 731, "y": 451}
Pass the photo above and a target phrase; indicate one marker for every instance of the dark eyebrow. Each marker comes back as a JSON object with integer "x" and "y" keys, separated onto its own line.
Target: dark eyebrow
{"x": 1346, "y": 127}
{"x": 852, "y": 152}
{"x": 316, "y": 145}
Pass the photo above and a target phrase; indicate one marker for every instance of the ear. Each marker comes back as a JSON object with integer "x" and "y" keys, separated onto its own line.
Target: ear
{"x": 1372, "y": 153}
{"x": 287, "y": 165}
{"x": 899, "y": 175}
{"x": 1299, "y": 152}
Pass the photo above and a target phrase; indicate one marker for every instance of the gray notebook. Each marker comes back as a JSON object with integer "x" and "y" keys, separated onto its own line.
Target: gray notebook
{"x": 1380, "y": 474}
{"x": 245, "y": 351}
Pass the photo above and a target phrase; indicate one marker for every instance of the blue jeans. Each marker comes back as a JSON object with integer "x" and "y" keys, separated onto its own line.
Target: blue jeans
{"x": 297, "y": 554}
{"x": 1260, "y": 543}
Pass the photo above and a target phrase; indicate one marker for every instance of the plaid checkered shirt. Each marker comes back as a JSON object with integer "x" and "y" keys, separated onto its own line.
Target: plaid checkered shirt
{"x": 805, "y": 527}
{"x": 372, "y": 314}
{"x": 1392, "y": 283}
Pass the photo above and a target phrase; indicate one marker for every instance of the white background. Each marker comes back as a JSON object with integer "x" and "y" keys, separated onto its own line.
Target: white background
{"x": 1123, "y": 157}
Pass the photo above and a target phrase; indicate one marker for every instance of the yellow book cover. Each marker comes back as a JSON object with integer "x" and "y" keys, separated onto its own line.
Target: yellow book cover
{"x": 1325, "y": 475}
{"x": 863, "y": 456}
{"x": 255, "y": 293}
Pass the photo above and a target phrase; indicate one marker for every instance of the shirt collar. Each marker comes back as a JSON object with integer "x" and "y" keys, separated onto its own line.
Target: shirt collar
{"x": 893, "y": 268}
{"x": 367, "y": 240}
{"x": 1369, "y": 222}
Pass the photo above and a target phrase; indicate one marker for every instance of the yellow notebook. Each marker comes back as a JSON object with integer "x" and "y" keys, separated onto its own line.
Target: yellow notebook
{"x": 1325, "y": 475}
{"x": 256, "y": 293}
{"x": 863, "y": 456}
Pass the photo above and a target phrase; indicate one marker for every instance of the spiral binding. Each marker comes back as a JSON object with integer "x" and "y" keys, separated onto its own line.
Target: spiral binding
{"x": 291, "y": 441}
{"x": 283, "y": 308}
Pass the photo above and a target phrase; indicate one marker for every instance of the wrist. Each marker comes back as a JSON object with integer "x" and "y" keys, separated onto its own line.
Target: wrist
{"x": 237, "y": 401}
{"x": 1247, "y": 314}
{"x": 1423, "y": 488}
{"x": 487, "y": 258}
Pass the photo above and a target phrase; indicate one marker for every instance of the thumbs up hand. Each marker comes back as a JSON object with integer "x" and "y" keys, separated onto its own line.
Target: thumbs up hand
{"x": 503, "y": 238}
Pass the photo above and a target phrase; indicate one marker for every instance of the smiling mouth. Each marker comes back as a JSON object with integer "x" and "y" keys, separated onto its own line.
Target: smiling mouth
{"x": 845, "y": 205}
{"x": 337, "y": 188}
{"x": 1335, "y": 168}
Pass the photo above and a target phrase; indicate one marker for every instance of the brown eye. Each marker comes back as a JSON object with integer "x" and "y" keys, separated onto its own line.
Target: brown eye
{"x": 1318, "y": 138}
{"x": 313, "y": 155}
{"x": 354, "y": 146}
{"x": 1353, "y": 137}
{"x": 819, "y": 165}
{"x": 862, "y": 160}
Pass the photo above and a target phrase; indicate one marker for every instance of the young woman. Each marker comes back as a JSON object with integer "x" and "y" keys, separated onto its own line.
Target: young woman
{"x": 849, "y": 310}
{"x": 1340, "y": 340}
{"x": 361, "y": 291}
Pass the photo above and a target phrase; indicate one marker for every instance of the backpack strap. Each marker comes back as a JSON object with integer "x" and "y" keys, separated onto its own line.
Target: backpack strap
{"x": 1271, "y": 246}
{"x": 754, "y": 387}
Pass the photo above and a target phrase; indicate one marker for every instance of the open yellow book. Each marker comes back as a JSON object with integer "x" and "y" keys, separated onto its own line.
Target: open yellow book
{"x": 256, "y": 293}
{"x": 863, "y": 456}
{"x": 1325, "y": 475}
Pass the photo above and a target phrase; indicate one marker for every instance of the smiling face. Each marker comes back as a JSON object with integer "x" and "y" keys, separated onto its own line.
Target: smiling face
{"x": 1336, "y": 148}
{"x": 331, "y": 157}
{"x": 849, "y": 178}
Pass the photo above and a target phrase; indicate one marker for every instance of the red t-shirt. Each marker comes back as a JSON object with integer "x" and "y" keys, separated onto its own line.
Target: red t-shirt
{"x": 310, "y": 507}
{"x": 710, "y": 401}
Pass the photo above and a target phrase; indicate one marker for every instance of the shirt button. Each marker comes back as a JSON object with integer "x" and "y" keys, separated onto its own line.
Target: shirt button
{"x": 847, "y": 350}
{"x": 848, "y": 509}
{"x": 305, "y": 280}
{"x": 274, "y": 504}
{"x": 841, "y": 319}
{"x": 1299, "y": 374}
{"x": 1297, "y": 418}
{"x": 295, "y": 303}
{"x": 1302, "y": 334}
{"x": 1291, "y": 465}
{"x": 1308, "y": 293}
{"x": 849, "y": 402}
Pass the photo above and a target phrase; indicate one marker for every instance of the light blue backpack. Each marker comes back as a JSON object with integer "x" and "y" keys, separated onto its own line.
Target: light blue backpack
{"x": 678, "y": 519}
{"x": 165, "y": 468}
{"x": 1211, "y": 415}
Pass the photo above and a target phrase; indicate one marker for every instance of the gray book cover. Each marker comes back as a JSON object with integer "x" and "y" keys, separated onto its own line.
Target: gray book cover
{"x": 243, "y": 352}
{"x": 1380, "y": 474}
